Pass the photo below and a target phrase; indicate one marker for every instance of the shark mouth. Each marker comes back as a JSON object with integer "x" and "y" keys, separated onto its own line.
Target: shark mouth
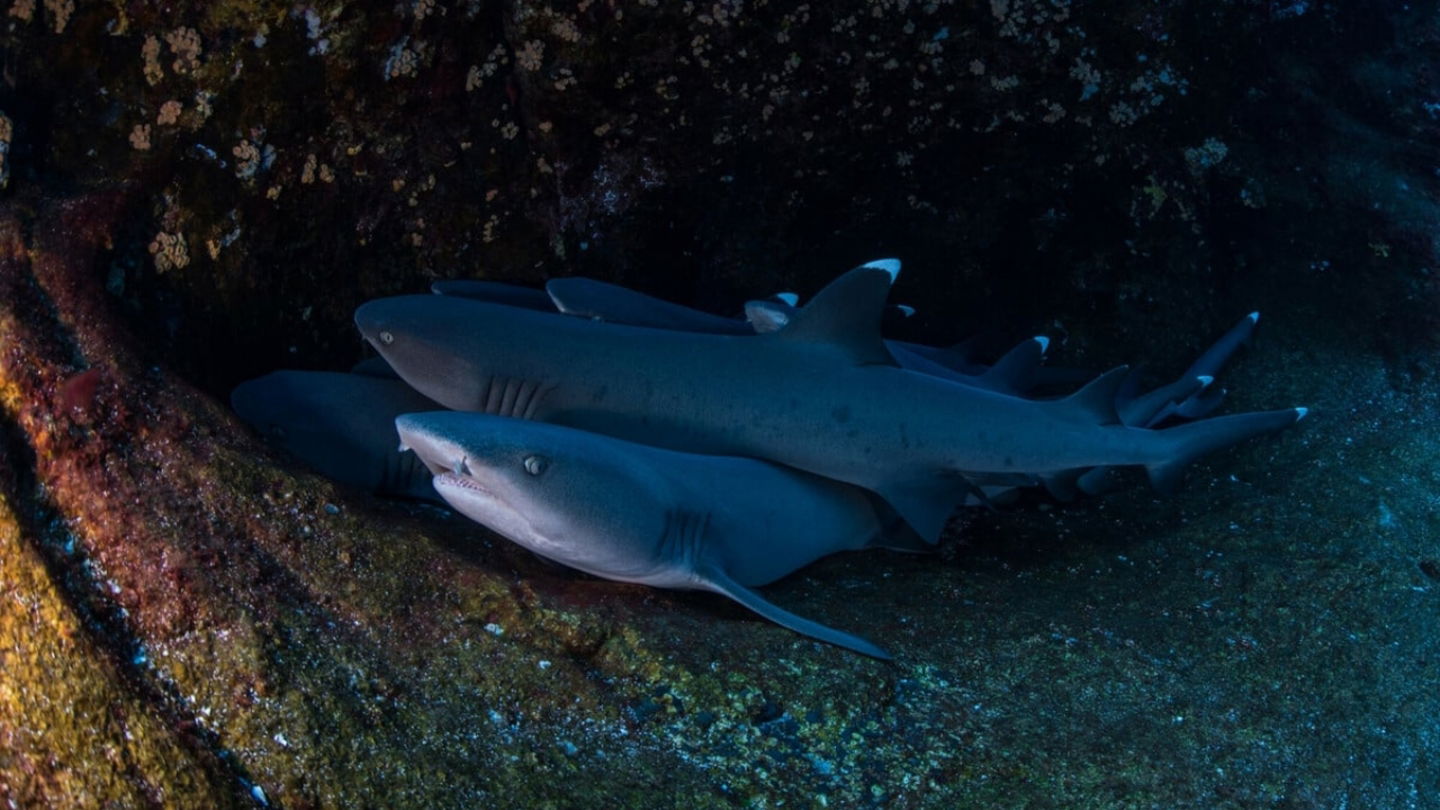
{"x": 464, "y": 482}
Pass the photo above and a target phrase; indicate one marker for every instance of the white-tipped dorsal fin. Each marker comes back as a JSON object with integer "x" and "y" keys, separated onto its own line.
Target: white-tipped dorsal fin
{"x": 788, "y": 298}
{"x": 891, "y": 266}
{"x": 906, "y": 310}
{"x": 846, "y": 314}
{"x": 1015, "y": 371}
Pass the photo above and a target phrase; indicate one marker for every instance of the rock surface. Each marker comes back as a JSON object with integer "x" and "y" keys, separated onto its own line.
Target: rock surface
{"x": 196, "y": 194}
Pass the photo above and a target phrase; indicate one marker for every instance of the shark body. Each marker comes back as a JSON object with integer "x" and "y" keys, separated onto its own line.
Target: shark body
{"x": 634, "y": 513}
{"x": 823, "y": 395}
{"x": 342, "y": 425}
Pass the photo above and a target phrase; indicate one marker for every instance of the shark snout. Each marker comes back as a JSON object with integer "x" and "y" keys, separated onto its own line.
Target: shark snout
{"x": 372, "y": 321}
{"x": 420, "y": 435}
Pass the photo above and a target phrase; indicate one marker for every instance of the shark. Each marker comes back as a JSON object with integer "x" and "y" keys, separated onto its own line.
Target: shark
{"x": 341, "y": 425}
{"x": 823, "y": 395}
{"x": 602, "y": 301}
{"x": 634, "y": 513}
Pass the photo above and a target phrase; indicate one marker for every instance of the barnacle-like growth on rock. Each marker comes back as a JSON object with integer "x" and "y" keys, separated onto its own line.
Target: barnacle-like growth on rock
{"x": 170, "y": 251}
{"x": 185, "y": 44}
{"x": 140, "y": 137}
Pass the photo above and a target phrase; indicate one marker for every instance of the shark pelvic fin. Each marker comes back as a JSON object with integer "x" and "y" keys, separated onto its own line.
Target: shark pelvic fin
{"x": 926, "y": 504}
{"x": 847, "y": 313}
{"x": 712, "y": 579}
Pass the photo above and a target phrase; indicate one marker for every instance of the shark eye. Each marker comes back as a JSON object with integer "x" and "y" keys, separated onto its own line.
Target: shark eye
{"x": 387, "y": 338}
{"x": 535, "y": 464}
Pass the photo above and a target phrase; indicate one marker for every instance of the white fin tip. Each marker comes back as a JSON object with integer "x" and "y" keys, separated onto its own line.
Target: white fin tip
{"x": 1044, "y": 343}
{"x": 891, "y": 266}
{"x": 905, "y": 310}
{"x": 1254, "y": 317}
{"x": 1300, "y": 413}
{"x": 789, "y": 298}
{"x": 1205, "y": 380}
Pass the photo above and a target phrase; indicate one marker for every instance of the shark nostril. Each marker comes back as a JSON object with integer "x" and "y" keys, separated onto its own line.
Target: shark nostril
{"x": 387, "y": 338}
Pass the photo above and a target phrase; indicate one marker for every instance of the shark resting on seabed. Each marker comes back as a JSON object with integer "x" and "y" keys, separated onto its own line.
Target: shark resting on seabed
{"x": 699, "y": 454}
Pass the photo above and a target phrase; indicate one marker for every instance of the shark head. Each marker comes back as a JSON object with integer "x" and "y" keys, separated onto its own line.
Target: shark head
{"x": 412, "y": 333}
{"x": 550, "y": 489}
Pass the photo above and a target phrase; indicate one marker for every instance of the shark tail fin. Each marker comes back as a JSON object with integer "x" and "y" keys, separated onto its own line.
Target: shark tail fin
{"x": 712, "y": 579}
{"x": 1200, "y": 404}
{"x": 1213, "y": 359}
{"x": 1196, "y": 439}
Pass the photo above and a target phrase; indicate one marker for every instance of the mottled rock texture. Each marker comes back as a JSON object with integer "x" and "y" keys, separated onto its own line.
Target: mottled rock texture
{"x": 194, "y": 193}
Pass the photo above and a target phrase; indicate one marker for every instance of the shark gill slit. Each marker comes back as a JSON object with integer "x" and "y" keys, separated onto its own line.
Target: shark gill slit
{"x": 538, "y": 392}
{"x": 682, "y": 534}
{"x": 512, "y": 390}
{"x": 494, "y": 391}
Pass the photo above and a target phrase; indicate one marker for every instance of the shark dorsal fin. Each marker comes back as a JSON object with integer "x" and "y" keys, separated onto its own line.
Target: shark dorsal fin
{"x": 847, "y": 313}
{"x": 1095, "y": 403}
{"x": 1015, "y": 372}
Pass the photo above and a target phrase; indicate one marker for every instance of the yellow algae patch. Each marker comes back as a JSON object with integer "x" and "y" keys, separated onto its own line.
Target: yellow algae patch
{"x": 71, "y": 733}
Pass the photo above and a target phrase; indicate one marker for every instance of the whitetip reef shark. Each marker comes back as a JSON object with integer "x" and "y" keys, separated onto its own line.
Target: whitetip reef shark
{"x": 340, "y": 424}
{"x": 634, "y": 513}
{"x": 823, "y": 395}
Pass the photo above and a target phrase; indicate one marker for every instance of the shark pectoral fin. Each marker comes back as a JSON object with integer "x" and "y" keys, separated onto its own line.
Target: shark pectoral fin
{"x": 718, "y": 581}
{"x": 846, "y": 314}
{"x": 1095, "y": 403}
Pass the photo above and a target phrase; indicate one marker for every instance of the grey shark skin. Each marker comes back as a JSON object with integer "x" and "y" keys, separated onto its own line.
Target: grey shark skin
{"x": 633, "y": 513}
{"x": 496, "y": 292}
{"x": 342, "y": 425}
{"x": 601, "y": 301}
{"x": 823, "y": 396}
